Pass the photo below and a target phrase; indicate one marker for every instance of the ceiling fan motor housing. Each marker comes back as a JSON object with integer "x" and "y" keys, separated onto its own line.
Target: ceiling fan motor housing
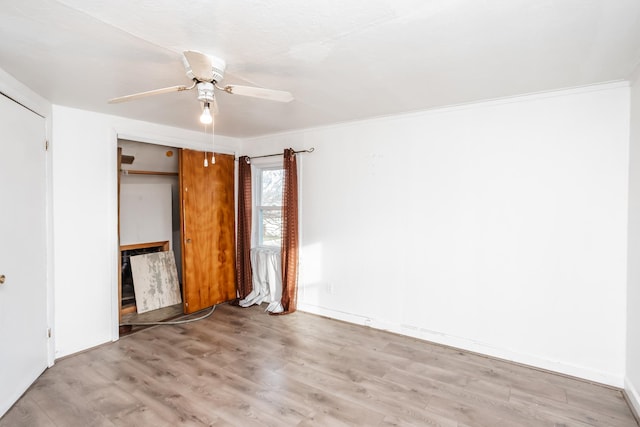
{"x": 205, "y": 91}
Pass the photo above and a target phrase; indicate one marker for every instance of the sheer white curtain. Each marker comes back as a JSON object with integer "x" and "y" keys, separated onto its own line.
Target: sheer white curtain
{"x": 267, "y": 279}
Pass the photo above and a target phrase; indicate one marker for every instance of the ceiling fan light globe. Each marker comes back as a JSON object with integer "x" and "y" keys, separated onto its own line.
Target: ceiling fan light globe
{"x": 205, "y": 117}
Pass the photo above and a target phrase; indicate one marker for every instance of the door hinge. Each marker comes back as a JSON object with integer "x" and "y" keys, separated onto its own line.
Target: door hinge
{"x": 49, "y": 333}
{"x": 46, "y": 145}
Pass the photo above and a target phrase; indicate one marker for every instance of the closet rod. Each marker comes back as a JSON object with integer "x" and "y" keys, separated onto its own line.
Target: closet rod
{"x": 248, "y": 159}
{"x": 139, "y": 172}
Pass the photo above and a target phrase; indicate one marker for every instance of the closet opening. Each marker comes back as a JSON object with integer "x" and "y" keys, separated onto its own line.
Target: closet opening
{"x": 148, "y": 222}
{"x": 176, "y": 228}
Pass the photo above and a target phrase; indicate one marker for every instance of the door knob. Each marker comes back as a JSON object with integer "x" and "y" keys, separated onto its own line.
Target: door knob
{"x": 2, "y": 279}
{"x": 188, "y": 240}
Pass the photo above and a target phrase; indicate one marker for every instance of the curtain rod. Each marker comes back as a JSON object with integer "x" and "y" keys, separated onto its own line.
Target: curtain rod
{"x": 308, "y": 150}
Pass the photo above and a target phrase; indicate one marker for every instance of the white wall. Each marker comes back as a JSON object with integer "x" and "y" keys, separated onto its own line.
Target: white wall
{"x": 145, "y": 213}
{"x": 498, "y": 227}
{"x": 632, "y": 380}
{"x": 84, "y": 149}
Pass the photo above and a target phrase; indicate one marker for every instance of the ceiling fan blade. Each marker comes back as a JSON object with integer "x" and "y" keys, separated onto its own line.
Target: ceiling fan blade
{"x": 148, "y": 93}
{"x": 199, "y": 65}
{"x": 258, "y": 92}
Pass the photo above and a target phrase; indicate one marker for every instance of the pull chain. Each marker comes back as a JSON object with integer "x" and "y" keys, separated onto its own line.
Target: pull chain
{"x": 213, "y": 140}
{"x": 206, "y": 162}
{"x": 213, "y": 155}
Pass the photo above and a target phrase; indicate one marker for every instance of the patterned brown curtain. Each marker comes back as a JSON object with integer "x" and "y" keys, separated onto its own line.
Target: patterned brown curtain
{"x": 243, "y": 246}
{"x": 290, "y": 233}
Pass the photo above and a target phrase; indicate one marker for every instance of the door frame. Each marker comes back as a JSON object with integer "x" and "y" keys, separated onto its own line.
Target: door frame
{"x": 201, "y": 142}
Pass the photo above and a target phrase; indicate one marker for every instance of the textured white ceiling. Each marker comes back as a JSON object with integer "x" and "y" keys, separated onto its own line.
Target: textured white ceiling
{"x": 342, "y": 59}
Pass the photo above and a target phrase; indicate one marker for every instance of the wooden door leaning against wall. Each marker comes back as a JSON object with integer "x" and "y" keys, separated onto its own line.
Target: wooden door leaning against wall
{"x": 208, "y": 227}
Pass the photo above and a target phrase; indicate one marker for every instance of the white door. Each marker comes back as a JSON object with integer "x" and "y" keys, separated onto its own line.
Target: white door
{"x": 23, "y": 295}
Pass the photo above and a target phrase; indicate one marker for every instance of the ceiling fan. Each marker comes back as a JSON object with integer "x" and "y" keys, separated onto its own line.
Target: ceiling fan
{"x": 206, "y": 72}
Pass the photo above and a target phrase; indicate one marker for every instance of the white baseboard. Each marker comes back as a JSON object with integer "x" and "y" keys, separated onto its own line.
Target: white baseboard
{"x": 632, "y": 396}
{"x": 470, "y": 345}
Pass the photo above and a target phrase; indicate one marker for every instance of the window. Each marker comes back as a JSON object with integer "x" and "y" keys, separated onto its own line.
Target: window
{"x": 269, "y": 205}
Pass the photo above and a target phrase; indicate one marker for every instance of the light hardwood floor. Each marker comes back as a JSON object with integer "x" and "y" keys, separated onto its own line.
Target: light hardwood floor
{"x": 243, "y": 367}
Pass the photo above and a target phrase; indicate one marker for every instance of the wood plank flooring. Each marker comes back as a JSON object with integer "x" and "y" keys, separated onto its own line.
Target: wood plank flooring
{"x": 242, "y": 367}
